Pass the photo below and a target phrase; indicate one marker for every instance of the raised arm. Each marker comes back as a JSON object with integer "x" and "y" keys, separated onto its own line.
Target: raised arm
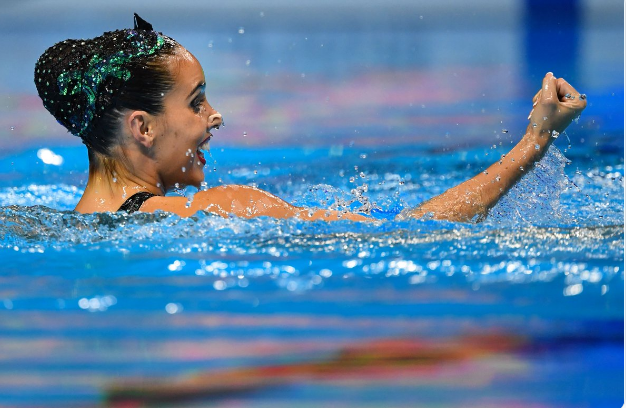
{"x": 554, "y": 108}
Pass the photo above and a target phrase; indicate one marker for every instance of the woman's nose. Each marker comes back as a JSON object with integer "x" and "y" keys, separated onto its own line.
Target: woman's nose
{"x": 215, "y": 120}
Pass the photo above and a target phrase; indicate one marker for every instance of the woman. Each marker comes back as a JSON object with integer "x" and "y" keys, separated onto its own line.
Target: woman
{"x": 137, "y": 100}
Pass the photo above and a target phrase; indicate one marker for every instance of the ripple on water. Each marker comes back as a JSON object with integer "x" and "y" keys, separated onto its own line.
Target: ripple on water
{"x": 532, "y": 234}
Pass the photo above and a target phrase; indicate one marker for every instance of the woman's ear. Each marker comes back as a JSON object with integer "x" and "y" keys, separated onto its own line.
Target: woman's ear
{"x": 140, "y": 125}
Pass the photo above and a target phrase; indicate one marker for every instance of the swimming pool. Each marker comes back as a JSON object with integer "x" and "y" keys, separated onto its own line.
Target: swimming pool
{"x": 525, "y": 309}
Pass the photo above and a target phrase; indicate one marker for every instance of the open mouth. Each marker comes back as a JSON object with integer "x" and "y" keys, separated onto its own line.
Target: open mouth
{"x": 203, "y": 146}
{"x": 205, "y": 143}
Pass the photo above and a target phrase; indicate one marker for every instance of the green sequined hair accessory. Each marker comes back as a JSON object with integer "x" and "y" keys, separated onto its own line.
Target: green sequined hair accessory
{"x": 78, "y": 80}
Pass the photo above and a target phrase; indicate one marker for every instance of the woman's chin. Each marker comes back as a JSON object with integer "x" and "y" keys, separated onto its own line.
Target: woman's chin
{"x": 194, "y": 179}
{"x": 197, "y": 178}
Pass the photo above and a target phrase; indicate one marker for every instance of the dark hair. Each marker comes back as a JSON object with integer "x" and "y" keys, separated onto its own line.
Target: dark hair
{"x": 87, "y": 85}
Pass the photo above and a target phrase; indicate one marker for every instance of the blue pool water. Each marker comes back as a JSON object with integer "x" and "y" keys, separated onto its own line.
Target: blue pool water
{"x": 90, "y": 300}
{"x": 522, "y": 310}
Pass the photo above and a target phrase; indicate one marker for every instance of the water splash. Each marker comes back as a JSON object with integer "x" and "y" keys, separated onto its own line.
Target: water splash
{"x": 535, "y": 199}
{"x": 425, "y": 252}
{"x": 531, "y": 226}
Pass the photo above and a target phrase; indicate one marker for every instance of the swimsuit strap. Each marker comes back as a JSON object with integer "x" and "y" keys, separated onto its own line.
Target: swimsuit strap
{"x": 135, "y": 202}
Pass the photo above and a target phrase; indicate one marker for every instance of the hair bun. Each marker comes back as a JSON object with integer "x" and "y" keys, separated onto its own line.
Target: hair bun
{"x": 78, "y": 79}
{"x": 52, "y": 63}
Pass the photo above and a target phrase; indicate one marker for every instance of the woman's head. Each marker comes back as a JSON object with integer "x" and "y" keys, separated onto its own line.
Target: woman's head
{"x": 88, "y": 85}
{"x": 135, "y": 98}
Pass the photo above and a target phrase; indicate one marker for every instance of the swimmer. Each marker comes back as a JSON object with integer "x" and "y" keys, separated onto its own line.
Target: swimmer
{"x": 136, "y": 98}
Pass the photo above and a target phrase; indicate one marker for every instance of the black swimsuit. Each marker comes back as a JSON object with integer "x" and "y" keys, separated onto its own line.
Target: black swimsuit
{"x": 135, "y": 202}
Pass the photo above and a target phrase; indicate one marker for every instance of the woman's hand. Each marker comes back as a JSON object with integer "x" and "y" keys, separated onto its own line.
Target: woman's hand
{"x": 554, "y": 107}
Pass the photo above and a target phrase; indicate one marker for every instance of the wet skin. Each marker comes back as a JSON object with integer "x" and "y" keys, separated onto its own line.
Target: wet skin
{"x": 161, "y": 152}
{"x": 184, "y": 125}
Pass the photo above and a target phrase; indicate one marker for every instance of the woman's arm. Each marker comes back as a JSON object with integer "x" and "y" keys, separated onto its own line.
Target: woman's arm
{"x": 245, "y": 202}
{"x": 554, "y": 108}
{"x": 249, "y": 202}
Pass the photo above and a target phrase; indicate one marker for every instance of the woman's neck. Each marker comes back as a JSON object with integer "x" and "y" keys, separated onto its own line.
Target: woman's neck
{"x": 110, "y": 184}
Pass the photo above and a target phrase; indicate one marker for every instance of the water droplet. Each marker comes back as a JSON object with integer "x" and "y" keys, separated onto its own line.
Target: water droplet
{"x": 245, "y": 134}
{"x": 12, "y": 127}
{"x": 247, "y": 62}
{"x": 176, "y": 185}
{"x": 537, "y": 147}
{"x": 555, "y": 134}
{"x": 351, "y": 179}
{"x": 485, "y": 172}
{"x": 545, "y": 118}
{"x": 505, "y": 131}
{"x": 521, "y": 168}
{"x": 183, "y": 169}
{"x": 498, "y": 177}
{"x": 363, "y": 156}
{"x": 203, "y": 185}
{"x": 534, "y": 125}
{"x": 158, "y": 185}
{"x": 582, "y": 97}
{"x": 114, "y": 179}
{"x": 362, "y": 175}
{"x": 569, "y": 142}
{"x": 241, "y": 30}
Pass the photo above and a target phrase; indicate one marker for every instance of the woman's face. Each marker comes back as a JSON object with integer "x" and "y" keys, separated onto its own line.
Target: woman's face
{"x": 184, "y": 126}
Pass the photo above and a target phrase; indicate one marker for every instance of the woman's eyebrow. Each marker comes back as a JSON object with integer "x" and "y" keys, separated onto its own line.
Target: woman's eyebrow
{"x": 201, "y": 86}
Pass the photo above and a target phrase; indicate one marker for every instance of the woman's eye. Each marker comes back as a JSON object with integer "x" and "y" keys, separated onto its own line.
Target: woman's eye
{"x": 196, "y": 104}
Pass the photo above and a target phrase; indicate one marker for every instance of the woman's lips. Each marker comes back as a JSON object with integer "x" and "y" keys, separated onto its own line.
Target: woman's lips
{"x": 201, "y": 157}
{"x": 203, "y": 146}
{"x": 205, "y": 143}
